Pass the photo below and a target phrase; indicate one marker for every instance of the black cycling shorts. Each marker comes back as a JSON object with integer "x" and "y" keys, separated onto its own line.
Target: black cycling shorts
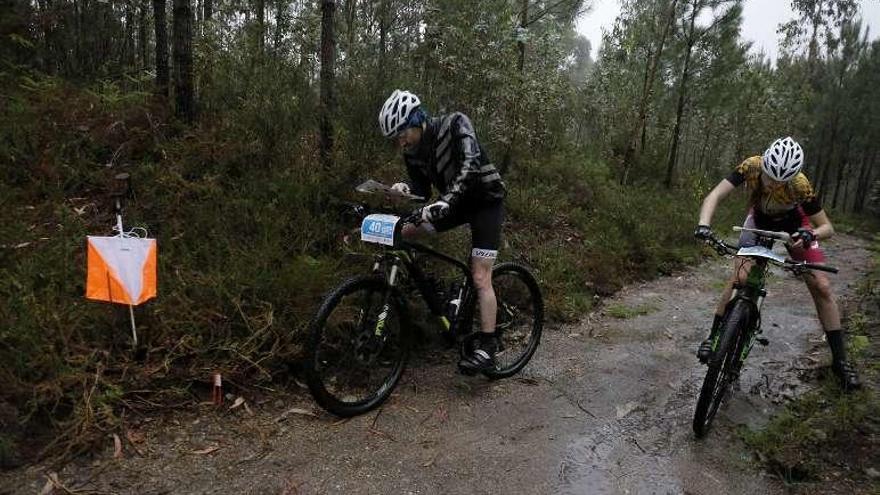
{"x": 485, "y": 220}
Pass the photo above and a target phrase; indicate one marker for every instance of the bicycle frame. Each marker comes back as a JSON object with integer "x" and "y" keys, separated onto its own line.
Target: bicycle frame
{"x": 402, "y": 255}
{"x": 754, "y": 293}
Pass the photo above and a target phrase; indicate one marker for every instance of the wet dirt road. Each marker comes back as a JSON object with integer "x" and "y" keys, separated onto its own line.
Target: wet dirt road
{"x": 604, "y": 407}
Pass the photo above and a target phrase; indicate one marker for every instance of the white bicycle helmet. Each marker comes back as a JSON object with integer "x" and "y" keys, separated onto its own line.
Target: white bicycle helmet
{"x": 783, "y": 159}
{"x": 396, "y": 111}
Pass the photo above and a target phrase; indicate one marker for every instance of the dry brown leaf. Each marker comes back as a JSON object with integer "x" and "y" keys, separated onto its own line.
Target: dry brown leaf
{"x": 238, "y": 402}
{"x": 207, "y": 450}
{"x": 135, "y": 436}
{"x": 117, "y": 447}
{"x": 296, "y": 410}
{"x": 51, "y": 483}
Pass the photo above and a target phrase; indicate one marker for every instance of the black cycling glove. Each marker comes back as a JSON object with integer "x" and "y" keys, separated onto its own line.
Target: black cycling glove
{"x": 703, "y": 232}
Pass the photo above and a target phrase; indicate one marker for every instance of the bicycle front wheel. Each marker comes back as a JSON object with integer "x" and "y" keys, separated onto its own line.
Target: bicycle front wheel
{"x": 721, "y": 372}
{"x": 357, "y": 348}
{"x": 520, "y": 318}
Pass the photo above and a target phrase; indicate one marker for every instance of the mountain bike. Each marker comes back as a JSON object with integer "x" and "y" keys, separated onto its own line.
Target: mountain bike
{"x": 360, "y": 338}
{"x": 741, "y": 325}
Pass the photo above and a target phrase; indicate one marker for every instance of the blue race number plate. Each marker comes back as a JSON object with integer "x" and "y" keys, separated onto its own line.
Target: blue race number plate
{"x": 379, "y": 229}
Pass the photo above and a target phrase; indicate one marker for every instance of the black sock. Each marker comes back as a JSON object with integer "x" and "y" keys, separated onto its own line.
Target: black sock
{"x": 837, "y": 345}
{"x": 489, "y": 342}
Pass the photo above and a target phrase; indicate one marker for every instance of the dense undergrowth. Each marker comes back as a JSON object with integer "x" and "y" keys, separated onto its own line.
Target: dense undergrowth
{"x": 250, "y": 235}
{"x": 827, "y": 441}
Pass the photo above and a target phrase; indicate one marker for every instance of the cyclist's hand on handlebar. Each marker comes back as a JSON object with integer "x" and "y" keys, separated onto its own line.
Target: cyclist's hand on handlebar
{"x": 703, "y": 232}
{"x": 401, "y": 187}
{"x": 804, "y": 237}
{"x": 435, "y": 211}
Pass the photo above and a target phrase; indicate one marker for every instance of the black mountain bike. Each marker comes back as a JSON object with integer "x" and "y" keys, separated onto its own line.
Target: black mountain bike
{"x": 359, "y": 340}
{"x": 741, "y": 327}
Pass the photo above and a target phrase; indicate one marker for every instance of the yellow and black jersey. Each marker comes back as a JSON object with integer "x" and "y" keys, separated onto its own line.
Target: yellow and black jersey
{"x": 775, "y": 199}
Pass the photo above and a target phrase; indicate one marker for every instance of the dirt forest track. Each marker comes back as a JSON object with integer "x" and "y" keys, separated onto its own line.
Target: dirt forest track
{"x": 604, "y": 407}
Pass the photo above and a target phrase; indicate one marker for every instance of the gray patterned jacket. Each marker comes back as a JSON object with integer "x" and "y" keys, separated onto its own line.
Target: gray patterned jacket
{"x": 450, "y": 158}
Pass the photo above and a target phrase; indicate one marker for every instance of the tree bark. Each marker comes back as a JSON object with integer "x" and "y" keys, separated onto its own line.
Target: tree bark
{"x": 184, "y": 100}
{"x": 209, "y": 10}
{"x": 328, "y": 98}
{"x": 160, "y": 19}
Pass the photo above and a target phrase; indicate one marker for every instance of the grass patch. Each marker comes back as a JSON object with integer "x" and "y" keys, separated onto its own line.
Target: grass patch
{"x": 623, "y": 312}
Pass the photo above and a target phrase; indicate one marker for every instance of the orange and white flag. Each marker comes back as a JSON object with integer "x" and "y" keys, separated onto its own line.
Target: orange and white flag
{"x": 121, "y": 269}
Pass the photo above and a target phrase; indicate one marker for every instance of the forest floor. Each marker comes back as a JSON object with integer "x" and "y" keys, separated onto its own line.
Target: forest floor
{"x": 605, "y": 406}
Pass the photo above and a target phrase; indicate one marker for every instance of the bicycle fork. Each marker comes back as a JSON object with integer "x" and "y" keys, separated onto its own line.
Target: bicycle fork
{"x": 754, "y": 330}
{"x": 386, "y": 304}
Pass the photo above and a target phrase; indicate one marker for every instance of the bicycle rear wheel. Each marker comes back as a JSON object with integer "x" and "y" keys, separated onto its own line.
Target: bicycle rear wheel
{"x": 349, "y": 368}
{"x": 520, "y": 318}
{"x": 722, "y": 367}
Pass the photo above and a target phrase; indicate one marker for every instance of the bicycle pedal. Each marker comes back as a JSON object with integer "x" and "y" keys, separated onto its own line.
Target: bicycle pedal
{"x": 763, "y": 341}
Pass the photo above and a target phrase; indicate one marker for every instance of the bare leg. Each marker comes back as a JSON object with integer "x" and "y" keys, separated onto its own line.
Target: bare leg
{"x": 823, "y": 297}
{"x": 481, "y": 269}
{"x": 741, "y": 267}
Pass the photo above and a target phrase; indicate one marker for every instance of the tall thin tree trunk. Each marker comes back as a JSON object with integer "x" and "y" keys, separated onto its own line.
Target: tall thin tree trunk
{"x": 383, "y": 35}
{"x": 647, "y": 91}
{"x": 841, "y": 169}
{"x": 521, "y": 66}
{"x": 142, "y": 35}
{"x": 351, "y": 29}
{"x": 280, "y": 5}
{"x": 328, "y": 63}
{"x": 261, "y": 24}
{"x": 183, "y": 77}
{"x": 521, "y": 44}
{"x": 682, "y": 94}
{"x": 160, "y": 23}
{"x": 209, "y": 10}
{"x": 130, "y": 54}
{"x": 863, "y": 188}
{"x": 825, "y": 168}
{"x": 706, "y": 139}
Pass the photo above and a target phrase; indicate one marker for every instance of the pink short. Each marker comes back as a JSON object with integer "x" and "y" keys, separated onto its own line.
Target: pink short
{"x": 811, "y": 254}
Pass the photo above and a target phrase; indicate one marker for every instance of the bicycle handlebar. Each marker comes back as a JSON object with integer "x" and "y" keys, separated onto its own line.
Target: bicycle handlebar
{"x": 724, "y": 248}
{"x": 782, "y": 236}
{"x": 821, "y": 268}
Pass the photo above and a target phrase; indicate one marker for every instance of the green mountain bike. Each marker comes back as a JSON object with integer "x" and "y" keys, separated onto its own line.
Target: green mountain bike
{"x": 741, "y": 327}
{"x": 360, "y": 338}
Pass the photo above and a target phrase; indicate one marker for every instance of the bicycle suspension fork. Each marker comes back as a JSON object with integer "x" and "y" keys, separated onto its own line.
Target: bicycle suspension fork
{"x": 753, "y": 293}
{"x": 386, "y": 296}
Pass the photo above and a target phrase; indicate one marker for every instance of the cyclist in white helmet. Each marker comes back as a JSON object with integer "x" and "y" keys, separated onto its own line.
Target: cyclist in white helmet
{"x": 443, "y": 152}
{"x": 781, "y": 199}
